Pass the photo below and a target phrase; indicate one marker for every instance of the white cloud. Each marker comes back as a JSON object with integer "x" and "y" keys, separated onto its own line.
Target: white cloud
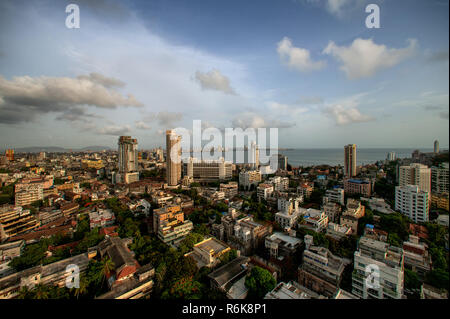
{"x": 297, "y": 58}
{"x": 114, "y": 130}
{"x": 253, "y": 120}
{"x": 344, "y": 116}
{"x": 214, "y": 80}
{"x": 285, "y": 109}
{"x": 346, "y": 111}
{"x": 142, "y": 125}
{"x": 363, "y": 58}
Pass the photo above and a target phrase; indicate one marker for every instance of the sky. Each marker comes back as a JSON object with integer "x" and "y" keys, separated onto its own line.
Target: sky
{"x": 310, "y": 68}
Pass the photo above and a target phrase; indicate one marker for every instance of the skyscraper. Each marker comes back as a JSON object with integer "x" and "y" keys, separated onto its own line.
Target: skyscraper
{"x": 128, "y": 159}
{"x": 350, "y": 160}
{"x": 436, "y": 146}
{"x": 173, "y": 158}
{"x": 254, "y": 155}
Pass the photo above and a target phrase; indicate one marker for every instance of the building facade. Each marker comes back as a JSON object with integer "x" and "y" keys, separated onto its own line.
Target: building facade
{"x": 412, "y": 202}
{"x": 350, "y": 160}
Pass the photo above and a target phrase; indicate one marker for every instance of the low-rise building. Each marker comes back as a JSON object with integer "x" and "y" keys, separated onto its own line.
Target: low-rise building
{"x": 207, "y": 253}
{"x": 333, "y": 211}
{"x": 249, "y": 178}
{"x": 230, "y": 190}
{"x": 358, "y": 186}
{"x": 337, "y": 231}
{"x": 226, "y": 276}
{"x": 281, "y": 245}
{"x": 315, "y": 220}
{"x": 321, "y": 271}
{"x": 101, "y": 218}
{"x": 353, "y": 212}
{"x": 15, "y": 221}
{"x": 335, "y": 195}
{"x": 416, "y": 257}
{"x": 264, "y": 191}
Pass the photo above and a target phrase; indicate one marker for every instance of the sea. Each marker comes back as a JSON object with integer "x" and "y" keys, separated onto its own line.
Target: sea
{"x": 332, "y": 156}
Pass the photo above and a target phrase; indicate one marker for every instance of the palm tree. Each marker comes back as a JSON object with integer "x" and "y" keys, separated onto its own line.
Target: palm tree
{"x": 107, "y": 267}
{"x": 24, "y": 293}
{"x": 82, "y": 289}
{"x": 41, "y": 292}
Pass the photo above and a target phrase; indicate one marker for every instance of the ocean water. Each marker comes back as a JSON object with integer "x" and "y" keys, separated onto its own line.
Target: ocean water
{"x": 333, "y": 156}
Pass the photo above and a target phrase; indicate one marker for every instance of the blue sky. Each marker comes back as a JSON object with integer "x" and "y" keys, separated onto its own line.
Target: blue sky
{"x": 309, "y": 67}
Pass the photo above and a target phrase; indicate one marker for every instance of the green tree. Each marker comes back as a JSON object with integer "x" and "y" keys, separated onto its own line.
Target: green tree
{"x": 259, "y": 283}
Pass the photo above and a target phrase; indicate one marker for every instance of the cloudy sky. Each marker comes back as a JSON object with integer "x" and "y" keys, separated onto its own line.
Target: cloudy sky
{"x": 309, "y": 67}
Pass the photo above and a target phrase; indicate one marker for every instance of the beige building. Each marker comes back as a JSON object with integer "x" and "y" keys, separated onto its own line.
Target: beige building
{"x": 208, "y": 252}
{"x": 173, "y": 158}
{"x": 208, "y": 170}
{"x": 14, "y": 221}
{"x": 128, "y": 159}
{"x": 415, "y": 174}
{"x": 27, "y": 193}
{"x": 350, "y": 160}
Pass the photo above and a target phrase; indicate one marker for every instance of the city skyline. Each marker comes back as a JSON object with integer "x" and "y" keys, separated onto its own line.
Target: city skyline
{"x": 139, "y": 68}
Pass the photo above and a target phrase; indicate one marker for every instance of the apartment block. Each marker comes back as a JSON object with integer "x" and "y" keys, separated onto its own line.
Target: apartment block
{"x": 15, "y": 221}
{"x": 27, "y": 193}
{"x": 249, "y": 178}
{"x": 321, "y": 271}
{"x": 439, "y": 179}
{"x": 412, "y": 202}
{"x": 335, "y": 195}
{"x": 386, "y": 261}
{"x": 415, "y": 174}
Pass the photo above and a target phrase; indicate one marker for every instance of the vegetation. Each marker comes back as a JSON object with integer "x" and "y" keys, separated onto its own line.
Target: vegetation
{"x": 259, "y": 282}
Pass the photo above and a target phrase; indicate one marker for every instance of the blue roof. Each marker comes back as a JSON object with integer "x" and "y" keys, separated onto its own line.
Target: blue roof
{"x": 321, "y": 177}
{"x": 369, "y": 226}
{"x": 358, "y": 181}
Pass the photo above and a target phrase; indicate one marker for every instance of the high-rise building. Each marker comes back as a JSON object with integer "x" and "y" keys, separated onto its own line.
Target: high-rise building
{"x": 439, "y": 179}
{"x": 254, "y": 155}
{"x": 128, "y": 159}
{"x": 436, "y": 146}
{"x": 415, "y": 174}
{"x": 173, "y": 158}
{"x": 350, "y": 160}
{"x": 412, "y": 202}
{"x": 282, "y": 162}
{"x": 9, "y": 153}
{"x": 390, "y": 156}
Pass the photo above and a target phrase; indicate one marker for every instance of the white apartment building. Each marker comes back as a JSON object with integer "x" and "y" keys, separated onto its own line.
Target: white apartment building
{"x": 388, "y": 262}
{"x": 412, "y": 202}
{"x": 288, "y": 219}
{"x": 415, "y": 174}
{"x": 279, "y": 183}
{"x": 335, "y": 195}
{"x": 208, "y": 170}
{"x": 439, "y": 179}
{"x": 264, "y": 191}
{"x": 289, "y": 204}
{"x": 315, "y": 219}
{"x": 248, "y": 178}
